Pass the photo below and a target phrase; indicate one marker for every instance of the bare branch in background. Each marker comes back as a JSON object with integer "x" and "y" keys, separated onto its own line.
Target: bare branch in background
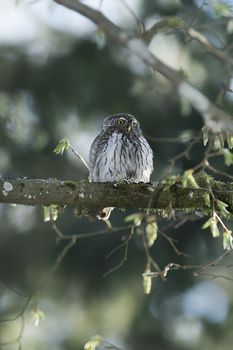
{"x": 214, "y": 118}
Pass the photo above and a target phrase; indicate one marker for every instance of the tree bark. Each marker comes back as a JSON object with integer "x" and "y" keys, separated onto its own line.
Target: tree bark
{"x": 88, "y": 195}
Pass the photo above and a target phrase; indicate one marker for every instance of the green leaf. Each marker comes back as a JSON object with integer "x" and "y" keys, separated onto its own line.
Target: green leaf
{"x": 228, "y": 157}
{"x": 213, "y": 224}
{"x": 151, "y": 230}
{"x": 214, "y": 228}
{"x": 147, "y": 280}
{"x": 222, "y": 207}
{"x": 93, "y": 342}
{"x": 46, "y": 214}
{"x": 189, "y": 180}
{"x": 37, "y": 316}
{"x": 222, "y": 9}
{"x": 205, "y": 135}
{"x": 63, "y": 145}
{"x": 101, "y": 38}
{"x": 169, "y": 182}
{"x": 227, "y": 240}
{"x": 206, "y": 224}
{"x": 230, "y": 140}
{"x": 136, "y": 218}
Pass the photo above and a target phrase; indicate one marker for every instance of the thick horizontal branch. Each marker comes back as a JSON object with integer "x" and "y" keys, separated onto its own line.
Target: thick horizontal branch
{"x": 214, "y": 118}
{"x": 88, "y": 195}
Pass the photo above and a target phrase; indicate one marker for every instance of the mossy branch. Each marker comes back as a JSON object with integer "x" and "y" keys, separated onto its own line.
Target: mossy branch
{"x": 98, "y": 195}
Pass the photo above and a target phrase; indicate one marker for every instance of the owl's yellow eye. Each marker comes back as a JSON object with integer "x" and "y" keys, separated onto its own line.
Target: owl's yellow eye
{"x": 121, "y": 121}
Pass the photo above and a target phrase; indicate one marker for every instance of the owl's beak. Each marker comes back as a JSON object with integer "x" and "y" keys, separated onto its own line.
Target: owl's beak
{"x": 129, "y": 127}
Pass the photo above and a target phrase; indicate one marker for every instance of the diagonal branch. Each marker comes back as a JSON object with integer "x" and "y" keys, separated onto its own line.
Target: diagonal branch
{"x": 215, "y": 119}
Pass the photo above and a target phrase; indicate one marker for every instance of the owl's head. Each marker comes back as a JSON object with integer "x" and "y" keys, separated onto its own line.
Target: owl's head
{"x": 122, "y": 122}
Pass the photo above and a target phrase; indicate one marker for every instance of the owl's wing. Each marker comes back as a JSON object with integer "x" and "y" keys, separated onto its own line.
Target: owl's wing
{"x": 94, "y": 151}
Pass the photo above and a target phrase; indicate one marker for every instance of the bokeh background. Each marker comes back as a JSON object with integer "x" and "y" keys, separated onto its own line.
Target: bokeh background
{"x": 59, "y": 77}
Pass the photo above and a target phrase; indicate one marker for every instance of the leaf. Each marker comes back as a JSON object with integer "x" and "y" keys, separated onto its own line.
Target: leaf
{"x": 227, "y": 240}
{"x": 37, "y": 316}
{"x": 151, "y": 230}
{"x": 213, "y": 224}
{"x": 169, "y": 182}
{"x": 46, "y": 214}
{"x": 214, "y": 228}
{"x": 228, "y": 157}
{"x": 93, "y": 342}
{"x": 230, "y": 140}
{"x": 205, "y": 135}
{"x": 100, "y": 38}
{"x": 136, "y": 218}
{"x": 222, "y": 207}
{"x": 54, "y": 212}
{"x": 147, "y": 280}
{"x": 188, "y": 179}
{"x": 50, "y": 213}
{"x": 63, "y": 145}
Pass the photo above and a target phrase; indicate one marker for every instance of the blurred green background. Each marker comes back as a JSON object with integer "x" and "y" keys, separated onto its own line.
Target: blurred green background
{"x": 59, "y": 77}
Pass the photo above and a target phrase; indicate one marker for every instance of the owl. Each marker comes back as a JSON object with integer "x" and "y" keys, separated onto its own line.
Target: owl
{"x": 120, "y": 152}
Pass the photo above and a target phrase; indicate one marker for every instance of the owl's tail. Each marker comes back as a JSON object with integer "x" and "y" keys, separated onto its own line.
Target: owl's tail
{"x": 105, "y": 213}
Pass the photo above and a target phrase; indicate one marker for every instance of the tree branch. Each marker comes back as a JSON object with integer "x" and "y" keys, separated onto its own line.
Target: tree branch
{"x": 214, "y": 118}
{"x": 88, "y": 195}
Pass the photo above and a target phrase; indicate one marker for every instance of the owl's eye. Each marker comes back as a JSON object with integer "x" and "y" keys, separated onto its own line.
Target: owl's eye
{"x": 120, "y": 121}
{"x": 134, "y": 124}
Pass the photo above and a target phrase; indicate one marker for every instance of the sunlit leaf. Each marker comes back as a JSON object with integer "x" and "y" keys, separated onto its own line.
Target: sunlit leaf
{"x": 169, "y": 182}
{"x": 93, "y": 342}
{"x": 213, "y": 225}
{"x": 227, "y": 240}
{"x": 189, "y": 180}
{"x": 222, "y": 207}
{"x": 230, "y": 140}
{"x": 136, "y": 218}
{"x": 214, "y": 228}
{"x": 228, "y": 157}
{"x": 54, "y": 212}
{"x": 151, "y": 230}
{"x": 63, "y": 145}
{"x": 37, "y": 316}
{"x": 47, "y": 213}
{"x": 205, "y": 135}
{"x": 101, "y": 38}
{"x": 147, "y": 281}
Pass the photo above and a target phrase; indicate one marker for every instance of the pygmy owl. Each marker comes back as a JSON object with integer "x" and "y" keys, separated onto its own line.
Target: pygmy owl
{"x": 120, "y": 152}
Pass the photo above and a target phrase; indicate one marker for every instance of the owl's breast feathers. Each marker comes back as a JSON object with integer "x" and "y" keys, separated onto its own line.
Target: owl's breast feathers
{"x": 118, "y": 156}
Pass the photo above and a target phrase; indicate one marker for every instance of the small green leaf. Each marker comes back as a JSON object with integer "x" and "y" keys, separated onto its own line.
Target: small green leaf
{"x": 100, "y": 38}
{"x": 46, "y": 214}
{"x": 227, "y": 240}
{"x": 37, "y": 316}
{"x": 214, "y": 228}
{"x": 206, "y": 224}
{"x": 218, "y": 142}
{"x": 93, "y": 342}
{"x": 63, "y": 145}
{"x": 222, "y": 207}
{"x": 54, "y": 212}
{"x": 230, "y": 140}
{"x": 228, "y": 157}
{"x": 189, "y": 180}
{"x": 169, "y": 182}
{"x": 205, "y": 135}
{"x": 213, "y": 225}
{"x": 136, "y": 218}
{"x": 151, "y": 230}
{"x": 147, "y": 280}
